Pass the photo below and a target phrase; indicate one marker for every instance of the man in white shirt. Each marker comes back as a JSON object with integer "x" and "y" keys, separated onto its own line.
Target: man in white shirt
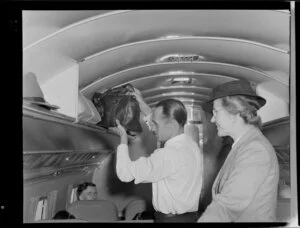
{"x": 175, "y": 170}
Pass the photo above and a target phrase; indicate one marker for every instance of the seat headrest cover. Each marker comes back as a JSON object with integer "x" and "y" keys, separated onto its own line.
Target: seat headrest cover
{"x": 60, "y": 221}
{"x": 94, "y": 210}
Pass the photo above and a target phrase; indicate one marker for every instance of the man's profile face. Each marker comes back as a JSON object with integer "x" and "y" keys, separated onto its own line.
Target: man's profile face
{"x": 90, "y": 193}
{"x": 161, "y": 125}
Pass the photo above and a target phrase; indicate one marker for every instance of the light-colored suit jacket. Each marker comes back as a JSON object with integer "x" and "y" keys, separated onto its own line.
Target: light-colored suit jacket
{"x": 245, "y": 189}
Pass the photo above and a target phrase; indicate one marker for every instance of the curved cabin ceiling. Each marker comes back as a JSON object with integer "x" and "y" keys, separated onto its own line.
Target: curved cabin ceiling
{"x": 164, "y": 53}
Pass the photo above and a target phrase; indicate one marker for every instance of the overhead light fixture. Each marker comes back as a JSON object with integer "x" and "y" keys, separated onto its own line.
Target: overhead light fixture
{"x": 180, "y": 72}
{"x": 185, "y": 80}
{"x": 172, "y": 36}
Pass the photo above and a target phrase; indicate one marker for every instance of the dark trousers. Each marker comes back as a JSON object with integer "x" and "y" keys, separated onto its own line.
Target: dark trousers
{"x": 186, "y": 217}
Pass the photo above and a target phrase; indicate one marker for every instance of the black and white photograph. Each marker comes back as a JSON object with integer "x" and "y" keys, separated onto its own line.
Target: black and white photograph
{"x": 159, "y": 115}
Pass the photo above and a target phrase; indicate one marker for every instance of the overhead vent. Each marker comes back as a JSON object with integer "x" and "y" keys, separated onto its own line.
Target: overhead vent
{"x": 180, "y": 58}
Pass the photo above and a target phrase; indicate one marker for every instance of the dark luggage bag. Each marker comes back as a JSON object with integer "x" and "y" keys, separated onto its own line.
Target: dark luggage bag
{"x": 117, "y": 103}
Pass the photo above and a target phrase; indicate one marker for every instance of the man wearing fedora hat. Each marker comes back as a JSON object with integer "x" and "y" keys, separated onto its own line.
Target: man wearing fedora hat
{"x": 245, "y": 189}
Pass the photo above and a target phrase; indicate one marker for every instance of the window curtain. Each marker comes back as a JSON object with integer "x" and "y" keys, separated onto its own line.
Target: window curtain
{"x": 32, "y": 208}
{"x": 51, "y": 196}
{"x": 69, "y": 195}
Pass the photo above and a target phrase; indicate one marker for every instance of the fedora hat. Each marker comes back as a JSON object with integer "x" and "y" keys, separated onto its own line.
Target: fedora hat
{"x": 237, "y": 87}
{"x": 32, "y": 93}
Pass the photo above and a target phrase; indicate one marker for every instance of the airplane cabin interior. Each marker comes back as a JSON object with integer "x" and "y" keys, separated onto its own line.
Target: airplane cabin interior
{"x": 179, "y": 54}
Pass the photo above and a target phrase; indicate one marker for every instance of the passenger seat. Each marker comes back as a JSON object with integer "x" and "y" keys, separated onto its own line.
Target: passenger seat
{"x": 60, "y": 221}
{"x": 134, "y": 209}
{"x": 94, "y": 210}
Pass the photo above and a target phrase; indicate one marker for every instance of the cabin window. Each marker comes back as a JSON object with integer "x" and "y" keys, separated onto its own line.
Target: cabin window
{"x": 41, "y": 209}
{"x": 73, "y": 197}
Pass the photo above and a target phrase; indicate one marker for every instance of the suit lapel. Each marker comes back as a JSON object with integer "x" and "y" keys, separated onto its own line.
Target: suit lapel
{"x": 224, "y": 171}
{"x": 224, "y": 168}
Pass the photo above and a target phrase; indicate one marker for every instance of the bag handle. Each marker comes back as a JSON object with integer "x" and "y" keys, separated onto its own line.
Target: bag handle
{"x": 125, "y": 87}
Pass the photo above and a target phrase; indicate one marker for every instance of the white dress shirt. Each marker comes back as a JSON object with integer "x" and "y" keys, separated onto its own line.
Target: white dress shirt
{"x": 175, "y": 172}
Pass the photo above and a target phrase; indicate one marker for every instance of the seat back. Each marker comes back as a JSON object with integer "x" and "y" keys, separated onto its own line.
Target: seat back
{"x": 283, "y": 211}
{"x": 94, "y": 210}
{"x": 60, "y": 221}
{"x": 134, "y": 207}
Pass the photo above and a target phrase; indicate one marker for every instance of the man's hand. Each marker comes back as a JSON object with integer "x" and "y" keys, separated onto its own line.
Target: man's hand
{"x": 120, "y": 130}
{"x": 137, "y": 94}
{"x": 146, "y": 110}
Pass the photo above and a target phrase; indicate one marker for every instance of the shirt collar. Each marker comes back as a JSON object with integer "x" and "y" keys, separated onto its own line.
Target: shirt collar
{"x": 174, "y": 139}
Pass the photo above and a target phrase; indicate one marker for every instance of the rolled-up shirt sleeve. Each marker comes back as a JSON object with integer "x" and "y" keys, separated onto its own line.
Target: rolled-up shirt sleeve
{"x": 123, "y": 160}
{"x": 240, "y": 189}
{"x": 146, "y": 169}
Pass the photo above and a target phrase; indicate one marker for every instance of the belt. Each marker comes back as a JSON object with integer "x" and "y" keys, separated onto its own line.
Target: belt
{"x": 172, "y": 215}
{"x": 167, "y": 215}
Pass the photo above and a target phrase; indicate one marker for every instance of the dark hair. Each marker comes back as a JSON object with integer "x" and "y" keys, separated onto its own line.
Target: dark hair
{"x": 82, "y": 187}
{"x": 244, "y": 105}
{"x": 63, "y": 215}
{"x": 175, "y": 109}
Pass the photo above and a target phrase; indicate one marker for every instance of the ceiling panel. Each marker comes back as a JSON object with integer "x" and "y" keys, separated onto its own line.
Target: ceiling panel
{"x": 185, "y": 101}
{"x": 39, "y": 24}
{"x": 228, "y": 70}
{"x": 269, "y": 27}
{"x": 117, "y": 47}
{"x": 177, "y": 89}
{"x": 98, "y": 33}
{"x": 232, "y": 51}
{"x": 200, "y": 81}
{"x": 198, "y": 97}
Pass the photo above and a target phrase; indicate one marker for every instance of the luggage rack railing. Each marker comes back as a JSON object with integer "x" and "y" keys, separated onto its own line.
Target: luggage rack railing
{"x": 60, "y": 118}
{"x": 102, "y": 151}
{"x": 36, "y": 176}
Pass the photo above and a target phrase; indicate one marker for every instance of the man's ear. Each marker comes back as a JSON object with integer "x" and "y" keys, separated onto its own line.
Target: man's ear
{"x": 175, "y": 125}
